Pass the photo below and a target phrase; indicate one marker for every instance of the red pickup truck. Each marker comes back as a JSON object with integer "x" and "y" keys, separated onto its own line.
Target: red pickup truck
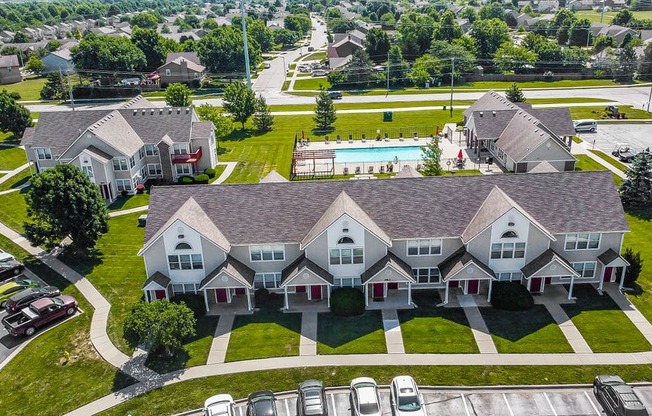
{"x": 39, "y": 313}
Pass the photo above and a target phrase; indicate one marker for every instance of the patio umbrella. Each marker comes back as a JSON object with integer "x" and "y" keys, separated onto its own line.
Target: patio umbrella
{"x": 437, "y": 133}
{"x": 460, "y": 155}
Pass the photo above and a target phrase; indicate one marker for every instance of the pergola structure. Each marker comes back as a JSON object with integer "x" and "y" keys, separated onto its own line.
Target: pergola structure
{"x": 311, "y": 164}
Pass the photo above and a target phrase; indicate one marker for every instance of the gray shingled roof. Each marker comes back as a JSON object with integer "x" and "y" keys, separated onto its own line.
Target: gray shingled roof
{"x": 491, "y": 101}
{"x": 188, "y": 56}
{"x": 158, "y": 278}
{"x": 8, "y": 60}
{"x": 543, "y": 260}
{"x": 408, "y": 171}
{"x": 404, "y": 208}
{"x": 235, "y": 268}
{"x": 457, "y": 261}
{"x": 201, "y": 129}
{"x": 492, "y": 123}
{"x": 557, "y": 120}
{"x": 608, "y": 256}
{"x": 273, "y": 176}
{"x": 522, "y": 136}
{"x": 389, "y": 260}
{"x": 543, "y": 167}
{"x": 296, "y": 266}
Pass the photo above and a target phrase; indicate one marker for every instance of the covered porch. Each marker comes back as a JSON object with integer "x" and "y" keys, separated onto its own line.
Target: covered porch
{"x": 463, "y": 270}
{"x": 549, "y": 268}
{"x": 229, "y": 281}
{"x": 614, "y": 267}
{"x": 156, "y": 287}
{"x": 307, "y": 281}
{"x": 390, "y": 277}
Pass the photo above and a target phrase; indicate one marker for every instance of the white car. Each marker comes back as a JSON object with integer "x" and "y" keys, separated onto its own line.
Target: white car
{"x": 364, "y": 397}
{"x": 219, "y": 405}
{"x": 404, "y": 397}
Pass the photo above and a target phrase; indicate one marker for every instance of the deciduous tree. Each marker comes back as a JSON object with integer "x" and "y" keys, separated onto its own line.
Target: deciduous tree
{"x": 377, "y": 44}
{"x": 512, "y": 58}
{"x": 645, "y": 64}
{"x": 325, "y": 115}
{"x": 34, "y": 65}
{"x": 223, "y": 124}
{"x": 144, "y": 21}
{"x": 15, "y": 117}
{"x": 240, "y": 102}
{"x": 489, "y": 35}
{"x": 178, "y": 95}
{"x": 63, "y": 202}
{"x": 108, "y": 54}
{"x": 431, "y": 155}
{"x": 222, "y": 50}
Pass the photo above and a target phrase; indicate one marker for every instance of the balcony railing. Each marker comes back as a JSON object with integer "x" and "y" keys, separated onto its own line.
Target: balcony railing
{"x": 187, "y": 157}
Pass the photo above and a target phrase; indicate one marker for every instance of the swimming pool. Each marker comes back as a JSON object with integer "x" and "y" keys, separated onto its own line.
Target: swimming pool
{"x": 378, "y": 154}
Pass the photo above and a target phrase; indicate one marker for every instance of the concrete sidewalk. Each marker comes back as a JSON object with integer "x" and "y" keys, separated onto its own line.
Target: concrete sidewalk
{"x": 217, "y": 353}
{"x": 393, "y": 334}
{"x": 583, "y": 149}
{"x": 230, "y": 166}
{"x": 478, "y": 326}
{"x": 10, "y": 174}
{"x": 634, "y": 315}
{"x": 308, "y": 340}
{"x": 568, "y": 328}
{"x": 128, "y": 211}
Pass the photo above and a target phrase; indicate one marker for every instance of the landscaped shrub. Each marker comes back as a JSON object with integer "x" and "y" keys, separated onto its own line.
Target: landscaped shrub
{"x": 511, "y": 296}
{"x": 140, "y": 188}
{"x": 263, "y": 299}
{"x": 194, "y": 302}
{"x": 635, "y": 266}
{"x": 210, "y": 172}
{"x": 347, "y": 301}
{"x": 185, "y": 180}
{"x": 201, "y": 178}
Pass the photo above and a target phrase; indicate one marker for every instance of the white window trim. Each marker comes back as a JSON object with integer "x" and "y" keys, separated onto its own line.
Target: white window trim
{"x": 47, "y": 153}
{"x": 259, "y": 249}
{"x": 120, "y": 160}
{"x": 154, "y": 150}
{"x": 192, "y": 263}
{"x": 502, "y": 250}
{"x": 158, "y": 171}
{"x": 584, "y": 263}
{"x": 263, "y": 278}
{"x": 430, "y": 247}
{"x": 123, "y": 181}
{"x": 416, "y": 270}
{"x": 576, "y": 235}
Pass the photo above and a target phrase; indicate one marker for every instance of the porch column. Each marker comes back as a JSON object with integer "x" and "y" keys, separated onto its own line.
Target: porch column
{"x": 604, "y": 269}
{"x": 622, "y": 278}
{"x": 446, "y": 294}
{"x": 570, "y": 291}
{"x": 366, "y": 295}
{"x": 409, "y": 293}
{"x": 167, "y": 295}
{"x": 529, "y": 282}
{"x": 206, "y": 300}
{"x": 491, "y": 282}
{"x": 147, "y": 297}
{"x": 248, "y": 300}
{"x": 287, "y": 305}
{"x": 328, "y": 292}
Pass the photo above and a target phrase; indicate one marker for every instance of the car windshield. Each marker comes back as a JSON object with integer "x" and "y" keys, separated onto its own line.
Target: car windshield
{"x": 408, "y": 403}
{"x": 57, "y": 301}
{"x": 368, "y": 408}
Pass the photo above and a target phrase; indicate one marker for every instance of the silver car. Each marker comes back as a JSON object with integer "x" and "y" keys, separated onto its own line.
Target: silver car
{"x": 404, "y": 397}
{"x": 219, "y": 405}
{"x": 364, "y": 397}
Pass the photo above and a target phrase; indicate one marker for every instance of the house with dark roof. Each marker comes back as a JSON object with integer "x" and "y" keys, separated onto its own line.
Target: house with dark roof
{"x": 120, "y": 149}
{"x": 386, "y": 238}
{"x": 519, "y": 137}
{"x": 340, "y": 53}
{"x": 59, "y": 60}
{"x": 181, "y": 67}
{"x": 9, "y": 69}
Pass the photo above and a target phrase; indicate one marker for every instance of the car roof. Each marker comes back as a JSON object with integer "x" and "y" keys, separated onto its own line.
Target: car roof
{"x": 405, "y": 384}
{"x": 218, "y": 404}
{"x": 42, "y": 303}
{"x": 262, "y": 403}
{"x": 311, "y": 384}
{"x": 7, "y": 286}
{"x": 361, "y": 380}
{"x": 24, "y": 293}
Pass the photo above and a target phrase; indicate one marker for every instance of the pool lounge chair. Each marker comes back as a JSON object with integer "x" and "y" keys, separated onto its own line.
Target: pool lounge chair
{"x": 381, "y": 169}
{"x": 345, "y": 171}
{"x": 371, "y": 169}
{"x": 357, "y": 170}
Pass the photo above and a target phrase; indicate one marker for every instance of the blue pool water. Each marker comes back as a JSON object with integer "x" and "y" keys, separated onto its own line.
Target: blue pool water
{"x": 378, "y": 154}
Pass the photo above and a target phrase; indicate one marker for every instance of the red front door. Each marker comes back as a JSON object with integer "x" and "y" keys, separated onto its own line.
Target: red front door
{"x": 240, "y": 291}
{"x": 315, "y": 292}
{"x": 535, "y": 285}
{"x": 379, "y": 291}
{"x": 301, "y": 289}
{"x": 473, "y": 286}
{"x": 220, "y": 295}
{"x": 160, "y": 294}
{"x": 608, "y": 271}
{"x": 392, "y": 285}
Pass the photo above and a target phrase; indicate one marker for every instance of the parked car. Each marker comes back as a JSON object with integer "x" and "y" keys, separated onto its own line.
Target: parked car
{"x": 219, "y": 405}
{"x": 11, "y": 288}
{"x": 364, "y": 397}
{"x": 616, "y": 397}
{"x": 624, "y": 152}
{"x": 311, "y": 48}
{"x": 585, "y": 125}
{"x": 261, "y": 403}
{"x": 404, "y": 397}
{"x": 319, "y": 73}
{"x": 39, "y": 313}
{"x": 311, "y": 399}
{"x": 335, "y": 95}
{"x": 25, "y": 297}
{"x": 9, "y": 266}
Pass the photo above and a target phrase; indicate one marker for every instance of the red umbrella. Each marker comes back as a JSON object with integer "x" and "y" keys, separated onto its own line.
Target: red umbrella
{"x": 437, "y": 133}
{"x": 460, "y": 155}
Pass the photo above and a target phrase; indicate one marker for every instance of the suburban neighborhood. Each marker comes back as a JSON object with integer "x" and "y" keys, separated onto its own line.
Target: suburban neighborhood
{"x": 346, "y": 208}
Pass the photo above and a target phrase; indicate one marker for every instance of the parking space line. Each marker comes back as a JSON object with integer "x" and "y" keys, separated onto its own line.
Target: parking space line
{"x": 597, "y": 412}
{"x": 287, "y": 407}
{"x": 508, "y": 406}
{"x": 550, "y": 404}
{"x": 466, "y": 408}
{"x": 334, "y": 407}
{"x": 240, "y": 410}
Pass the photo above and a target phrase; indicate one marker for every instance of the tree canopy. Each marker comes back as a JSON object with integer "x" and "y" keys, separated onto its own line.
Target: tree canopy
{"x": 325, "y": 115}
{"x": 514, "y": 94}
{"x": 431, "y": 155}
{"x": 161, "y": 324}
{"x": 222, "y": 50}
{"x": 108, "y": 53}
{"x": 636, "y": 190}
{"x": 178, "y": 95}
{"x": 489, "y": 35}
{"x": 240, "y": 102}
{"x": 15, "y": 117}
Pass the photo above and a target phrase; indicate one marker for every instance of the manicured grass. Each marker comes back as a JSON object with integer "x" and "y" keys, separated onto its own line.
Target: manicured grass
{"x": 640, "y": 224}
{"x": 530, "y": 331}
{"x": 194, "y": 351}
{"x": 609, "y": 159}
{"x": 311, "y": 84}
{"x": 8, "y": 137}
{"x": 166, "y": 400}
{"x": 219, "y": 169}
{"x": 39, "y": 377}
{"x": 594, "y": 16}
{"x": 14, "y": 210}
{"x": 317, "y": 56}
{"x": 433, "y": 329}
{"x": 29, "y": 90}
{"x": 577, "y": 140}
{"x": 130, "y": 201}
{"x": 267, "y": 333}
{"x": 16, "y": 180}
{"x": 116, "y": 271}
{"x": 602, "y": 324}
{"x": 586, "y": 163}
{"x": 362, "y": 334}
{"x": 598, "y": 113}
{"x": 11, "y": 157}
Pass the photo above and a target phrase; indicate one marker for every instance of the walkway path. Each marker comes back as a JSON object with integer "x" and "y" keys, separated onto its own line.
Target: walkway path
{"x": 568, "y": 328}
{"x": 634, "y": 315}
{"x": 478, "y": 326}
{"x": 308, "y": 341}
{"x": 583, "y": 149}
{"x": 217, "y": 354}
{"x": 13, "y": 173}
{"x": 393, "y": 335}
{"x": 128, "y": 211}
{"x": 230, "y": 166}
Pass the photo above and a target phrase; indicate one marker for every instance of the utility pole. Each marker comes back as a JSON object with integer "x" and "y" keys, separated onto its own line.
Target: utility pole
{"x": 387, "y": 93}
{"x": 246, "y": 46}
{"x": 452, "y": 83}
{"x": 649, "y": 98}
{"x": 72, "y": 99}
{"x": 602, "y": 12}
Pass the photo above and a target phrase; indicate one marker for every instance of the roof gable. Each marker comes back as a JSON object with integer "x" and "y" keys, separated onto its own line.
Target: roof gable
{"x": 273, "y": 176}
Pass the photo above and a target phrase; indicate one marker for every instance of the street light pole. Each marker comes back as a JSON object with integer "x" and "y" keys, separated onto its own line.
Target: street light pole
{"x": 649, "y": 98}
{"x": 452, "y": 83}
{"x": 246, "y": 46}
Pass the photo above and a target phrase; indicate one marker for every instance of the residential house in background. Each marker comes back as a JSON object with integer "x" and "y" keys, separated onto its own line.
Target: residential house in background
{"x": 340, "y": 53}
{"x": 59, "y": 60}
{"x": 562, "y": 228}
{"x": 6, "y": 36}
{"x": 181, "y": 67}
{"x": 10, "y": 69}
{"x": 519, "y": 137}
{"x": 119, "y": 149}
{"x": 618, "y": 33}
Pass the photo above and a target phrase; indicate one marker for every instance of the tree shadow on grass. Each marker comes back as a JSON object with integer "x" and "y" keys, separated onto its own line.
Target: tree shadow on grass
{"x": 82, "y": 262}
{"x": 336, "y": 331}
{"x": 45, "y": 273}
{"x": 239, "y": 134}
{"x": 122, "y": 380}
{"x": 644, "y": 214}
{"x": 427, "y": 301}
{"x": 501, "y": 323}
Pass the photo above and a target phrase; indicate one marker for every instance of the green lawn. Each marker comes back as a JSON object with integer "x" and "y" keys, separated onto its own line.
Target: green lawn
{"x": 433, "y": 329}
{"x": 597, "y": 112}
{"x": 362, "y": 334}
{"x": 316, "y": 56}
{"x": 39, "y": 377}
{"x": 586, "y": 163}
{"x": 29, "y": 90}
{"x": 219, "y": 169}
{"x": 8, "y": 137}
{"x": 594, "y": 16}
{"x": 602, "y": 324}
{"x": 194, "y": 351}
{"x": 166, "y": 400}
{"x": 16, "y": 180}
{"x": 130, "y": 201}
{"x": 313, "y": 84}
{"x": 640, "y": 224}
{"x": 11, "y": 157}
{"x": 267, "y": 333}
{"x": 530, "y": 331}
{"x": 116, "y": 271}
{"x": 14, "y": 210}
{"x": 609, "y": 159}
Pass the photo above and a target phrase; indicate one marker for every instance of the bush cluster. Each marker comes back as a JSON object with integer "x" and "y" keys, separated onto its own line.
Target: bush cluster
{"x": 347, "y": 301}
{"x": 511, "y": 296}
{"x": 194, "y": 302}
{"x": 210, "y": 172}
{"x": 185, "y": 180}
{"x": 201, "y": 178}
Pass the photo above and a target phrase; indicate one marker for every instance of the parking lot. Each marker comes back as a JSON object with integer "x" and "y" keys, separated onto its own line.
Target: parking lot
{"x": 638, "y": 135}
{"x": 471, "y": 402}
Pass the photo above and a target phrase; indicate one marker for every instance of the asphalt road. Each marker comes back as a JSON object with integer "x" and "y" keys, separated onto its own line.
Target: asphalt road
{"x": 605, "y": 139}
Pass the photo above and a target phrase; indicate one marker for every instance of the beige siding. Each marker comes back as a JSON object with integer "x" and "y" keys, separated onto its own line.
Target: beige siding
{"x": 212, "y": 255}
{"x": 607, "y": 241}
{"x": 448, "y": 247}
{"x": 480, "y": 246}
{"x": 241, "y": 253}
{"x": 555, "y": 152}
{"x": 374, "y": 249}
{"x": 156, "y": 259}
{"x": 317, "y": 251}
{"x": 537, "y": 243}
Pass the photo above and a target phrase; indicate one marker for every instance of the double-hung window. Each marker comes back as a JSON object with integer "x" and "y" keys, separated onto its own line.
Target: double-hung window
{"x": 120, "y": 164}
{"x": 44, "y": 154}
{"x": 132, "y": 161}
{"x": 424, "y": 247}
{"x": 88, "y": 170}
{"x": 181, "y": 148}
{"x": 267, "y": 253}
{"x": 346, "y": 255}
{"x": 585, "y": 269}
{"x": 141, "y": 153}
{"x": 123, "y": 185}
{"x": 151, "y": 150}
{"x": 508, "y": 250}
{"x": 582, "y": 241}
{"x": 154, "y": 169}
{"x": 267, "y": 280}
{"x": 183, "y": 168}
{"x": 185, "y": 262}
{"x": 427, "y": 275}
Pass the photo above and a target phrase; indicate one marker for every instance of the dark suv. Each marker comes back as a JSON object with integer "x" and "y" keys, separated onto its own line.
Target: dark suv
{"x": 335, "y": 95}
{"x": 25, "y": 297}
{"x": 616, "y": 397}
{"x": 261, "y": 403}
{"x": 311, "y": 399}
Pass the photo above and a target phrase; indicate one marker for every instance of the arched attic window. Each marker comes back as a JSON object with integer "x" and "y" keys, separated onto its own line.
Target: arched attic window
{"x": 509, "y": 234}
{"x": 183, "y": 246}
{"x": 345, "y": 240}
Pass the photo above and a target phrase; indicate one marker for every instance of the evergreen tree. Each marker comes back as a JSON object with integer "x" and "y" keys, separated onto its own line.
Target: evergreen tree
{"x": 325, "y": 111}
{"x": 55, "y": 87}
{"x": 431, "y": 155}
{"x": 645, "y": 64}
{"x": 514, "y": 94}
{"x": 263, "y": 119}
{"x": 625, "y": 66}
{"x": 636, "y": 190}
